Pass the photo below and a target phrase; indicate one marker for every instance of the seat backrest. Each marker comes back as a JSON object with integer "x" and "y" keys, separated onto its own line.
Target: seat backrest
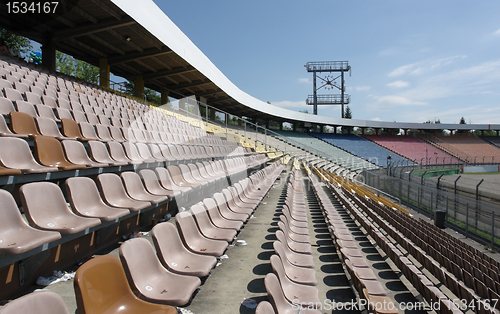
{"x": 6, "y": 106}
{"x": 101, "y": 286}
{"x": 49, "y": 152}
{"x": 167, "y": 241}
{"x": 82, "y": 193}
{"x": 23, "y": 123}
{"x": 87, "y": 130}
{"x": 48, "y": 127}
{"x": 76, "y": 153}
{"x": 264, "y": 307}
{"x": 187, "y": 227}
{"x": 15, "y": 153}
{"x": 70, "y": 128}
{"x": 117, "y": 152}
{"x": 275, "y": 293}
{"x": 36, "y": 302}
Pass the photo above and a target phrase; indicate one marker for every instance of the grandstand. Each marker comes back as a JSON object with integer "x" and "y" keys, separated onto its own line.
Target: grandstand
{"x": 159, "y": 210}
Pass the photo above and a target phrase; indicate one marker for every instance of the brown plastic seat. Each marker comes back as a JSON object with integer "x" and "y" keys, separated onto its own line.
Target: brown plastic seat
{"x": 5, "y": 131}
{"x": 294, "y": 292}
{"x": 100, "y": 154}
{"x": 298, "y": 274}
{"x": 167, "y": 182}
{"x": 114, "y": 193}
{"x": 178, "y": 179}
{"x": 194, "y": 240}
{"x": 9, "y": 172}
{"x": 86, "y": 201}
{"x": 277, "y": 298}
{"x": 101, "y": 287}
{"x": 136, "y": 190}
{"x": 70, "y": 128}
{"x": 175, "y": 256}
{"x": 45, "y": 207}
{"x": 23, "y": 124}
{"x": 76, "y": 154}
{"x": 219, "y": 220}
{"x": 152, "y": 281}
{"x": 15, "y": 153}
{"x": 49, "y": 152}
{"x": 207, "y": 228}
{"x": 16, "y": 236}
{"x": 219, "y": 200}
{"x": 264, "y": 307}
{"x": 36, "y": 302}
{"x": 152, "y": 184}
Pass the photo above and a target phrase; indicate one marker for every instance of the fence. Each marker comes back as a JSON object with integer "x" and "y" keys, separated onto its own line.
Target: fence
{"x": 474, "y": 218}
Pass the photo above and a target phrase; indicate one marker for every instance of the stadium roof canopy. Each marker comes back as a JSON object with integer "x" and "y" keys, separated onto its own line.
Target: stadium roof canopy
{"x": 137, "y": 38}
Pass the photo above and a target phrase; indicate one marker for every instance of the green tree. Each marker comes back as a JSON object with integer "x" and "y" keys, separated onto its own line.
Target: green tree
{"x": 462, "y": 120}
{"x": 68, "y": 65}
{"x": 151, "y": 96}
{"x": 347, "y": 113}
{"x": 18, "y": 44}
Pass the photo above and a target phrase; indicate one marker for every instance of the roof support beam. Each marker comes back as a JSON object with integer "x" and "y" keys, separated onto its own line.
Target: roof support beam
{"x": 139, "y": 55}
{"x": 164, "y": 73}
{"x": 92, "y": 28}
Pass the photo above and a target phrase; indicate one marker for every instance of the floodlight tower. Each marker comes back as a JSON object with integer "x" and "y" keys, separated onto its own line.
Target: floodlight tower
{"x": 329, "y": 82}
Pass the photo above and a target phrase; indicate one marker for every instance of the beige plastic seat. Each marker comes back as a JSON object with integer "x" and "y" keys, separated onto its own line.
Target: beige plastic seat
{"x": 16, "y": 236}
{"x": 179, "y": 180}
{"x": 298, "y": 274}
{"x": 300, "y": 238}
{"x": 136, "y": 190}
{"x": 26, "y": 107}
{"x": 76, "y": 154}
{"x": 153, "y": 186}
{"x": 6, "y": 106}
{"x": 100, "y": 154}
{"x": 221, "y": 222}
{"x": 150, "y": 279}
{"x": 133, "y": 153}
{"x": 167, "y": 182}
{"x": 188, "y": 176}
{"x": 145, "y": 153}
{"x": 86, "y": 201}
{"x": 195, "y": 173}
{"x": 294, "y": 292}
{"x": 240, "y": 202}
{"x": 264, "y": 307}
{"x": 175, "y": 256}
{"x": 292, "y": 228}
{"x": 165, "y": 152}
{"x": 48, "y": 127}
{"x": 219, "y": 200}
{"x": 5, "y": 131}
{"x": 117, "y": 152}
{"x": 15, "y": 153}
{"x": 296, "y": 258}
{"x": 49, "y": 152}
{"x": 233, "y": 206}
{"x": 207, "y": 228}
{"x": 101, "y": 287}
{"x": 36, "y": 302}
{"x": 114, "y": 193}
{"x": 45, "y": 207}
{"x": 194, "y": 240}
{"x": 88, "y": 130}
{"x": 116, "y": 134}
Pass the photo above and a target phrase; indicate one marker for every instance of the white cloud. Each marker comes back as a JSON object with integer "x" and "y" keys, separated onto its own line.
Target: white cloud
{"x": 497, "y": 33}
{"x": 362, "y": 88}
{"x": 398, "y": 84}
{"x": 292, "y": 105}
{"x": 305, "y": 80}
{"x": 376, "y": 119}
{"x": 425, "y": 66}
{"x": 398, "y": 100}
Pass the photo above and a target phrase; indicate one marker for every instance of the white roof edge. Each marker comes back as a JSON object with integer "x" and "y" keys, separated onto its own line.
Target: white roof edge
{"x": 153, "y": 19}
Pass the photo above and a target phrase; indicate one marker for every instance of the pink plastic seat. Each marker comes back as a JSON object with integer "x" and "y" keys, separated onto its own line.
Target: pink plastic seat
{"x": 117, "y": 152}
{"x": 175, "y": 256}
{"x": 150, "y": 279}
{"x": 207, "y": 228}
{"x": 45, "y": 207}
{"x": 167, "y": 182}
{"x": 99, "y": 153}
{"x": 219, "y": 220}
{"x": 76, "y": 154}
{"x": 136, "y": 190}
{"x": 193, "y": 238}
{"x": 219, "y": 200}
{"x": 153, "y": 185}
{"x": 114, "y": 193}
{"x": 36, "y": 302}
{"x": 15, "y": 153}
{"x": 85, "y": 200}
{"x": 179, "y": 180}
{"x": 235, "y": 207}
{"x": 16, "y": 236}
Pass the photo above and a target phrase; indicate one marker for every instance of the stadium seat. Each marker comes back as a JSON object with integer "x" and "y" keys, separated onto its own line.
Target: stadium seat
{"x": 23, "y": 124}
{"x": 175, "y": 256}
{"x": 207, "y": 228}
{"x": 194, "y": 240}
{"x": 101, "y": 287}
{"x": 36, "y": 302}
{"x": 49, "y": 152}
{"x": 15, "y": 153}
{"x": 179, "y": 180}
{"x": 167, "y": 183}
{"x": 150, "y": 279}
{"x": 76, "y": 154}
{"x": 218, "y": 200}
{"x": 70, "y": 129}
{"x": 100, "y": 154}
{"x": 219, "y": 221}
{"x": 114, "y": 193}
{"x": 16, "y": 236}
{"x": 86, "y": 201}
{"x": 136, "y": 190}
{"x": 264, "y": 307}
{"x": 154, "y": 186}
{"x": 57, "y": 217}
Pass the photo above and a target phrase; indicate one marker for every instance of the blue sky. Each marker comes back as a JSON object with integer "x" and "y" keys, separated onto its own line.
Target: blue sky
{"x": 411, "y": 61}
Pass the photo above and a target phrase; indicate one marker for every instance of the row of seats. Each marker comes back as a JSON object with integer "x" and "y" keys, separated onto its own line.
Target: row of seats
{"x": 414, "y": 149}
{"x": 362, "y": 276}
{"x": 467, "y": 148}
{"x": 185, "y": 252}
{"x": 291, "y": 286}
